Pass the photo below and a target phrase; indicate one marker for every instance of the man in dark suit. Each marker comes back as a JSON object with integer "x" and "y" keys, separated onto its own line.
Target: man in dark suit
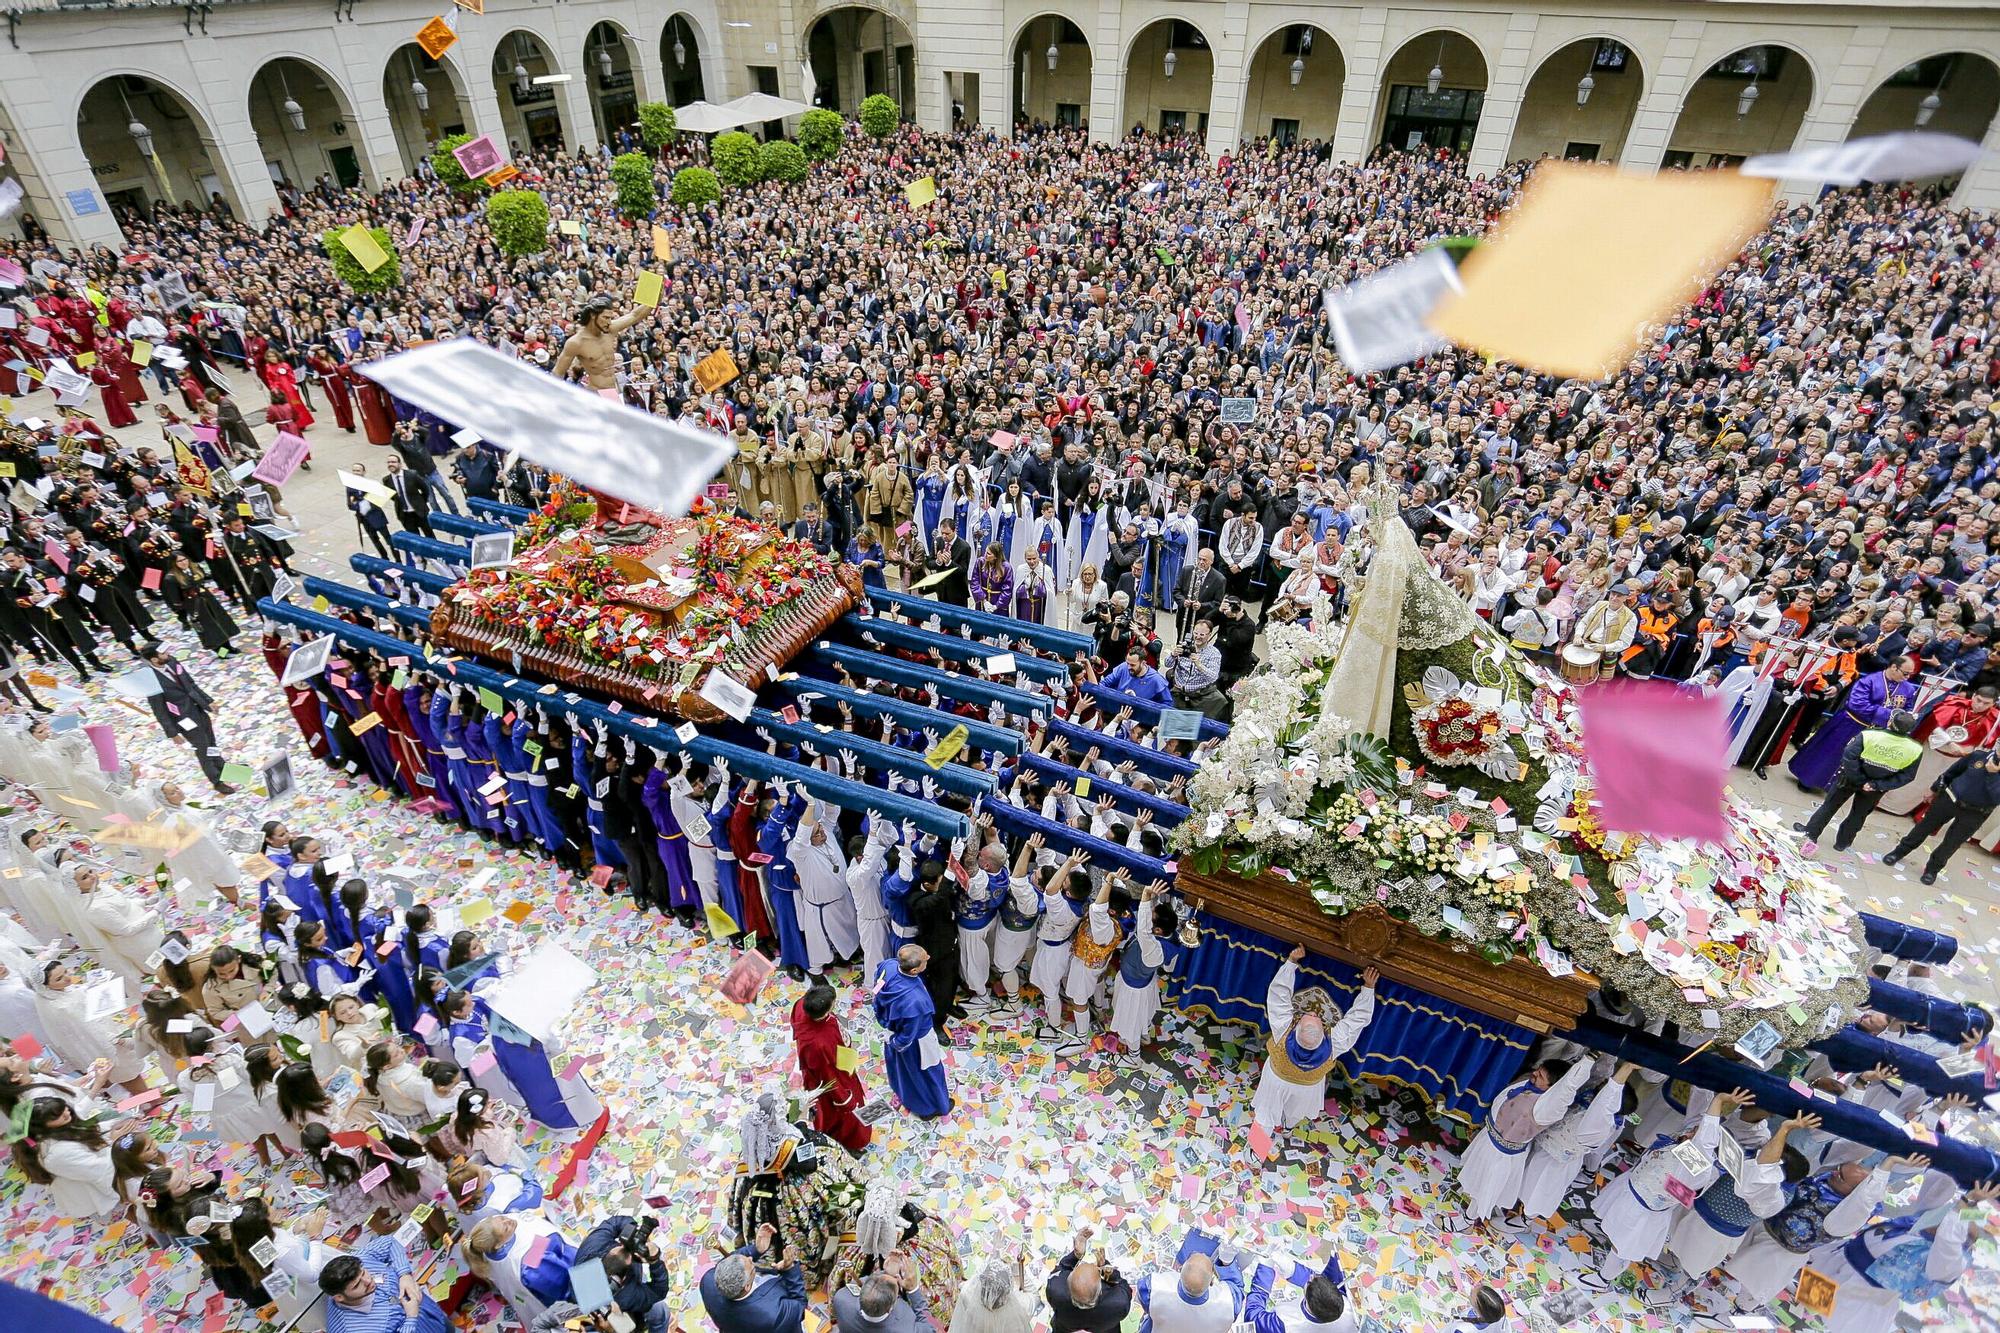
{"x": 1086, "y": 1297}
{"x": 814, "y": 529}
{"x": 637, "y": 1272}
{"x": 182, "y": 709}
{"x": 1201, "y": 590}
{"x": 951, "y": 556}
{"x": 738, "y": 1303}
{"x": 413, "y": 497}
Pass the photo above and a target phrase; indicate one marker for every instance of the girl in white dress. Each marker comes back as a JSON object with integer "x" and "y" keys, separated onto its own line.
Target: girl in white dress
{"x": 353, "y": 1028}
{"x": 216, "y": 1075}
{"x": 47, "y": 905}
{"x": 486, "y": 1129}
{"x": 1135, "y": 994}
{"x": 79, "y": 788}
{"x": 128, "y": 932}
{"x": 71, "y": 1157}
{"x": 80, "y": 1041}
{"x": 399, "y": 1084}
{"x": 201, "y": 860}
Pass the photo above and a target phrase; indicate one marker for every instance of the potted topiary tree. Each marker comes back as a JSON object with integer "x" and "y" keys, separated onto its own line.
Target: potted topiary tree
{"x": 779, "y": 160}
{"x": 879, "y": 116}
{"x": 349, "y": 269}
{"x": 519, "y": 221}
{"x": 695, "y": 186}
{"x": 820, "y": 134}
{"x": 656, "y": 123}
{"x": 632, "y": 173}
{"x": 446, "y": 166}
{"x": 734, "y": 157}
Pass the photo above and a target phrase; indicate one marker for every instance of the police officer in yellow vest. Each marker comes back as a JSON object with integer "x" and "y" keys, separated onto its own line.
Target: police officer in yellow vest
{"x": 1879, "y": 759}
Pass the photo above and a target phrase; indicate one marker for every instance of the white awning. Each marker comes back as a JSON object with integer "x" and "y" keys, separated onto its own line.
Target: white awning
{"x": 754, "y": 107}
{"x": 704, "y": 118}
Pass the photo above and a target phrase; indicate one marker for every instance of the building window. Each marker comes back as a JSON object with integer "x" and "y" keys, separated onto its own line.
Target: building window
{"x": 1069, "y": 114}
{"x": 1676, "y": 160}
{"x": 765, "y": 77}
{"x": 1582, "y": 152}
{"x": 1285, "y": 131}
{"x": 1173, "y": 122}
{"x": 1068, "y": 33}
{"x": 1184, "y": 33}
{"x": 1299, "y": 40}
{"x": 1752, "y": 62}
{"x": 1610, "y": 57}
{"x": 1718, "y": 161}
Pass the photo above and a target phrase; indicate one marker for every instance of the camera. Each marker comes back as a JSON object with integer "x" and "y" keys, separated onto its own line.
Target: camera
{"x": 642, "y": 1233}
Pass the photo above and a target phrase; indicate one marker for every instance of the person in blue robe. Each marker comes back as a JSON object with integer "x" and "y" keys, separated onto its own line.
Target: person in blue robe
{"x": 1178, "y": 536}
{"x": 541, "y": 816}
{"x": 507, "y": 763}
{"x": 903, "y": 1007}
{"x": 434, "y": 760}
{"x": 603, "y": 850}
{"x": 391, "y": 975}
{"x": 302, "y": 880}
{"x": 930, "y": 504}
{"x": 374, "y": 743}
{"x": 556, "y": 1101}
{"x": 483, "y": 768}
{"x": 728, "y": 875}
{"x": 778, "y": 820}
{"x": 449, "y": 728}
{"x": 325, "y": 971}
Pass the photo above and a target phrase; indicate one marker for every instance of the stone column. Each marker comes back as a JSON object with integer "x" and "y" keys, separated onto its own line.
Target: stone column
{"x": 1653, "y": 122}
{"x": 1506, "y": 86}
{"x": 1361, "y": 50}
{"x": 1230, "y": 81}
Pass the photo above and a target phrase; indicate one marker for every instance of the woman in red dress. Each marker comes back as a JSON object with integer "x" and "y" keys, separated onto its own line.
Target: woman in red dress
{"x": 278, "y": 377}
{"x": 300, "y": 699}
{"x": 111, "y": 351}
{"x": 116, "y": 410}
{"x": 336, "y": 380}
{"x": 378, "y": 411}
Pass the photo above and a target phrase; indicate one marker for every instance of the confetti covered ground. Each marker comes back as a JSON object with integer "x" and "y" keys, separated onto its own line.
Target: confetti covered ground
{"x": 1042, "y": 1142}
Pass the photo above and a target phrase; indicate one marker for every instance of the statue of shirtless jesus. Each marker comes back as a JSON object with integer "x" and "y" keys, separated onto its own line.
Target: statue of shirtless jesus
{"x": 594, "y": 345}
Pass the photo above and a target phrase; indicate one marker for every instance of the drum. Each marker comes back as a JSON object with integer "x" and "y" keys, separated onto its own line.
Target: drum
{"x": 1579, "y": 664}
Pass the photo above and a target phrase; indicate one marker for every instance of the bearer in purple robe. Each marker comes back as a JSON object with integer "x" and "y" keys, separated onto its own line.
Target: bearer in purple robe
{"x": 1868, "y": 704}
{"x": 916, "y": 1059}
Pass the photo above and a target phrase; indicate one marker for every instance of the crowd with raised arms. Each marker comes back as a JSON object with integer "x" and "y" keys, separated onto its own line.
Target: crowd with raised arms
{"x": 1029, "y": 399}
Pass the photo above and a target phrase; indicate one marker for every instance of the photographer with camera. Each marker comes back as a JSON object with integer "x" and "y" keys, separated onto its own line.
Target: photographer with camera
{"x": 1193, "y": 668}
{"x": 633, "y": 1263}
{"x": 744, "y": 1295}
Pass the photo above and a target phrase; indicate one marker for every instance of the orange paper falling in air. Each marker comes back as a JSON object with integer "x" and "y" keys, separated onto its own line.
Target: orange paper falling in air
{"x": 1590, "y": 256}
{"x": 436, "y": 37}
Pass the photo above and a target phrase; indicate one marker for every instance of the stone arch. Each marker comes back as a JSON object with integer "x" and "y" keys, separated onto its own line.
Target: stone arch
{"x": 1562, "y": 117}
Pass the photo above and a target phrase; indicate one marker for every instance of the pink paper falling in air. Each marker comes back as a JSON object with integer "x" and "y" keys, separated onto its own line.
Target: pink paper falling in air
{"x": 102, "y": 737}
{"x": 1659, "y": 757}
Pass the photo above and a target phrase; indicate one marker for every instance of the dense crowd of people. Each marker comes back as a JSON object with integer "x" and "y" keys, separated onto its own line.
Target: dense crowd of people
{"x": 1088, "y": 387}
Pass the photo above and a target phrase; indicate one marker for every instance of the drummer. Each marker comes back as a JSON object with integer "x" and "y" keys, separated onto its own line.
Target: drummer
{"x": 1958, "y": 725}
{"x": 1608, "y": 629}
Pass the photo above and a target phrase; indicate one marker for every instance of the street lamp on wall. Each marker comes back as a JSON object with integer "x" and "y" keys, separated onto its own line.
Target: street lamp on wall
{"x": 1052, "y": 55}
{"x": 417, "y": 89}
{"x": 1746, "y": 100}
{"x": 1584, "y": 86}
{"x": 1298, "y": 69}
{"x": 1171, "y": 61}
{"x": 293, "y": 111}
{"x": 1435, "y": 79}
{"x": 1928, "y": 108}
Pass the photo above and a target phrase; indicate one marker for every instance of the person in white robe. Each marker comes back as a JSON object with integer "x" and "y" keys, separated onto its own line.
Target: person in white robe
{"x": 72, "y": 1159}
{"x": 1135, "y": 994}
{"x": 1307, "y": 1034}
{"x": 80, "y": 789}
{"x": 83, "y": 1041}
{"x": 217, "y": 1084}
{"x": 200, "y": 859}
{"x": 1495, "y": 1164}
{"x": 1666, "y": 1108}
{"x": 297, "y": 1256}
{"x": 1831, "y": 1205}
{"x": 18, "y": 1015}
{"x": 826, "y": 908}
{"x": 981, "y": 894}
{"x": 1091, "y": 950}
{"x": 27, "y": 886}
{"x": 1709, "y": 1232}
{"x": 1558, "y": 1152}
{"x": 1637, "y": 1209}
{"x": 1021, "y": 914}
{"x": 128, "y": 932}
{"x": 496, "y": 1248}
{"x": 1907, "y": 1260}
{"x": 864, "y": 887}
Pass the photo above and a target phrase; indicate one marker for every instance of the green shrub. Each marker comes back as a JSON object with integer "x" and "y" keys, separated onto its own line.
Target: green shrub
{"x": 781, "y": 161}
{"x": 447, "y": 168}
{"x": 519, "y": 221}
{"x": 656, "y": 123}
{"x": 734, "y": 157}
{"x": 695, "y": 186}
{"x": 632, "y": 173}
{"x": 821, "y": 133}
{"x": 879, "y": 116}
{"x": 348, "y": 269}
